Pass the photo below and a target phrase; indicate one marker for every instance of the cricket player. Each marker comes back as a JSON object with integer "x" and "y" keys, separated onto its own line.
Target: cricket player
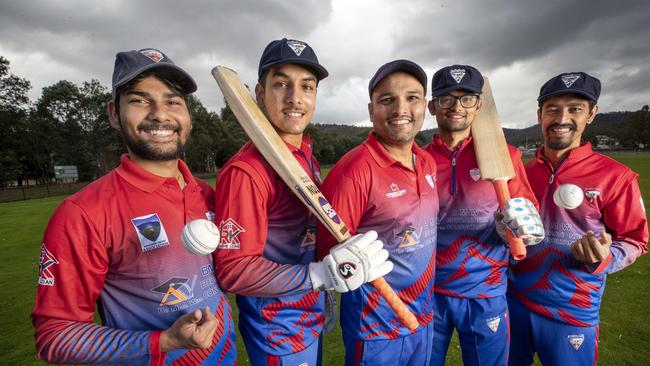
{"x": 594, "y": 228}
{"x": 116, "y": 243}
{"x": 266, "y": 254}
{"x": 388, "y": 184}
{"x": 472, "y": 258}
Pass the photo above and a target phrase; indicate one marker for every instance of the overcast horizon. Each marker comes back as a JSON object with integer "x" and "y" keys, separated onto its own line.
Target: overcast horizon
{"x": 518, "y": 44}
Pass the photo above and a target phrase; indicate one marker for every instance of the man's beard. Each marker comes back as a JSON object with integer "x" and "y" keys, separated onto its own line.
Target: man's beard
{"x": 147, "y": 150}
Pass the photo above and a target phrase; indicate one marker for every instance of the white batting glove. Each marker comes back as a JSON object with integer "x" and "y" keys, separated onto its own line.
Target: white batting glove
{"x": 520, "y": 216}
{"x": 350, "y": 264}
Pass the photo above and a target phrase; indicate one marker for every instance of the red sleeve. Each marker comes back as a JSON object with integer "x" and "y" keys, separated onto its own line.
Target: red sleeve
{"x": 349, "y": 198}
{"x": 242, "y": 198}
{"x": 72, "y": 268}
{"x": 519, "y": 186}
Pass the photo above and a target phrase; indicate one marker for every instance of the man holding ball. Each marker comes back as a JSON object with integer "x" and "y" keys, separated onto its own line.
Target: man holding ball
{"x": 595, "y": 225}
{"x": 116, "y": 244}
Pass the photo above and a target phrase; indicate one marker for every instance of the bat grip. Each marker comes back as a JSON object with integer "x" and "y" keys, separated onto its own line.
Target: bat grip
{"x": 517, "y": 248}
{"x": 403, "y": 313}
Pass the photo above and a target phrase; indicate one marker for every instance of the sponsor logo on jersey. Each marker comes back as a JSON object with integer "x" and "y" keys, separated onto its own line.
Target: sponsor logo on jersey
{"x": 475, "y": 174}
{"x": 493, "y": 323}
{"x": 329, "y": 211}
{"x": 592, "y": 193}
{"x": 575, "y": 340}
{"x": 431, "y": 179}
{"x": 309, "y": 237}
{"x": 45, "y": 262}
{"x": 408, "y": 237}
{"x": 210, "y": 215}
{"x": 153, "y": 55}
{"x": 457, "y": 74}
{"x": 229, "y": 230}
{"x": 569, "y": 79}
{"x": 347, "y": 269}
{"x": 151, "y": 232}
{"x": 175, "y": 290}
{"x": 395, "y": 191}
{"x": 296, "y": 46}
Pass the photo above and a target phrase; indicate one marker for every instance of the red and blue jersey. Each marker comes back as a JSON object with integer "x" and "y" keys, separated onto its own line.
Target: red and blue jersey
{"x": 116, "y": 244}
{"x": 472, "y": 259}
{"x": 550, "y": 281}
{"x": 267, "y": 241}
{"x": 370, "y": 190}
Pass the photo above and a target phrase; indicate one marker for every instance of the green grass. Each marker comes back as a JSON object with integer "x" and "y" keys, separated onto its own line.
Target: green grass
{"x": 624, "y": 314}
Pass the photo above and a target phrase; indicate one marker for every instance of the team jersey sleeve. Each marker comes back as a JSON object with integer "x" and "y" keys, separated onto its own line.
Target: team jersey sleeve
{"x": 241, "y": 214}
{"x": 519, "y": 185}
{"x": 72, "y": 268}
{"x": 349, "y": 199}
{"x": 625, "y": 219}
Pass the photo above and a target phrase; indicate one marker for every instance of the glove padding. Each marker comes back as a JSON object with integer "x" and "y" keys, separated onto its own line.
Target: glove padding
{"x": 520, "y": 216}
{"x": 350, "y": 264}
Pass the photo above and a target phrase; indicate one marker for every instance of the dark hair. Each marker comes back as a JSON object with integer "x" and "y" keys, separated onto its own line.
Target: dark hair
{"x": 592, "y": 103}
{"x": 167, "y": 77}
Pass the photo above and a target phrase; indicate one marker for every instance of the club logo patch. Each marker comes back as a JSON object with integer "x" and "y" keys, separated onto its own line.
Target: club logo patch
{"x": 153, "y": 55}
{"x": 175, "y": 290}
{"x": 229, "y": 230}
{"x": 296, "y": 46}
{"x": 569, "y": 79}
{"x": 475, "y": 174}
{"x": 309, "y": 237}
{"x": 493, "y": 323}
{"x": 457, "y": 74}
{"x": 45, "y": 262}
{"x": 575, "y": 340}
{"x": 329, "y": 211}
{"x": 347, "y": 269}
{"x": 431, "y": 180}
{"x": 592, "y": 194}
{"x": 210, "y": 215}
{"x": 151, "y": 232}
{"x": 395, "y": 191}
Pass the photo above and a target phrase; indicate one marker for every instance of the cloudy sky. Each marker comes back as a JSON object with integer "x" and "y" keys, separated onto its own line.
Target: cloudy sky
{"x": 518, "y": 44}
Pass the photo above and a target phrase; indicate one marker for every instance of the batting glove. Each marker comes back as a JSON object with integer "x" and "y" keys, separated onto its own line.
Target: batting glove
{"x": 520, "y": 216}
{"x": 350, "y": 264}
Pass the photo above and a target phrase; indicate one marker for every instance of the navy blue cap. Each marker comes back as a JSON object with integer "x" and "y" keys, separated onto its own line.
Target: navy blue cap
{"x": 130, "y": 64}
{"x": 290, "y": 51}
{"x": 456, "y": 77}
{"x": 571, "y": 83}
{"x": 406, "y": 66}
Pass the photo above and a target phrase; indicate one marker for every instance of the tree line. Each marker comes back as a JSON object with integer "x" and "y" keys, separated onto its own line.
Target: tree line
{"x": 68, "y": 125}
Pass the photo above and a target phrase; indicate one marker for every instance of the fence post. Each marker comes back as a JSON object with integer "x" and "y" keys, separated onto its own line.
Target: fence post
{"x": 24, "y": 196}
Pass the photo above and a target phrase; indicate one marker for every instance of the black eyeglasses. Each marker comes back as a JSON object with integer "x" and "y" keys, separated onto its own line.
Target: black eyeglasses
{"x": 448, "y": 101}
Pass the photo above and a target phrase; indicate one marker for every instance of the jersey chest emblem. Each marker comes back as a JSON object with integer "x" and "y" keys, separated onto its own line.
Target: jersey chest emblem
{"x": 575, "y": 340}
{"x": 151, "y": 232}
{"x": 175, "y": 290}
{"x": 431, "y": 179}
{"x": 475, "y": 174}
{"x": 46, "y": 261}
{"x": 230, "y": 231}
{"x": 592, "y": 194}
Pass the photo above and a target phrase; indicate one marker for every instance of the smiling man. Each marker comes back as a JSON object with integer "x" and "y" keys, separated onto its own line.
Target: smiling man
{"x": 267, "y": 249}
{"x": 472, "y": 259}
{"x": 555, "y": 293}
{"x": 116, "y": 243}
{"x": 388, "y": 184}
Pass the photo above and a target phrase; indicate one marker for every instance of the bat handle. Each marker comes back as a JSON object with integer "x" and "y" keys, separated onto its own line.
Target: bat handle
{"x": 517, "y": 248}
{"x": 403, "y": 313}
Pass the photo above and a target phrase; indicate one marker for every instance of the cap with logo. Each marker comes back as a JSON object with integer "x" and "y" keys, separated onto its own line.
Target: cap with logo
{"x": 406, "y": 66}
{"x": 290, "y": 51}
{"x": 130, "y": 64}
{"x": 456, "y": 77}
{"x": 579, "y": 83}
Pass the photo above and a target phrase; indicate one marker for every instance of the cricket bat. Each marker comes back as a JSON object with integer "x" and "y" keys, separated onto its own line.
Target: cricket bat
{"x": 276, "y": 153}
{"x": 493, "y": 158}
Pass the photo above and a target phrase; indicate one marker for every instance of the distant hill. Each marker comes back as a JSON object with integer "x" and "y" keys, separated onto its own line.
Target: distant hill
{"x": 604, "y": 124}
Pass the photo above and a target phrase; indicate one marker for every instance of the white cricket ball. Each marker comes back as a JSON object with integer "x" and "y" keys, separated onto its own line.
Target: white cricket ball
{"x": 200, "y": 236}
{"x": 568, "y": 196}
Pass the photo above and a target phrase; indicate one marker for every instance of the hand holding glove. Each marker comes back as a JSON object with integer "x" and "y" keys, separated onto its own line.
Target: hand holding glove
{"x": 350, "y": 264}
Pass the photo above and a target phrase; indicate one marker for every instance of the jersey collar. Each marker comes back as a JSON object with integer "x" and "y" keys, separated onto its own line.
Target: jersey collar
{"x": 149, "y": 182}
{"x": 381, "y": 155}
{"x": 579, "y": 153}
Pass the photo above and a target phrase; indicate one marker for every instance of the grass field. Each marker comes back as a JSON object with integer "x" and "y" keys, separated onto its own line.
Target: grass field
{"x": 625, "y": 313}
